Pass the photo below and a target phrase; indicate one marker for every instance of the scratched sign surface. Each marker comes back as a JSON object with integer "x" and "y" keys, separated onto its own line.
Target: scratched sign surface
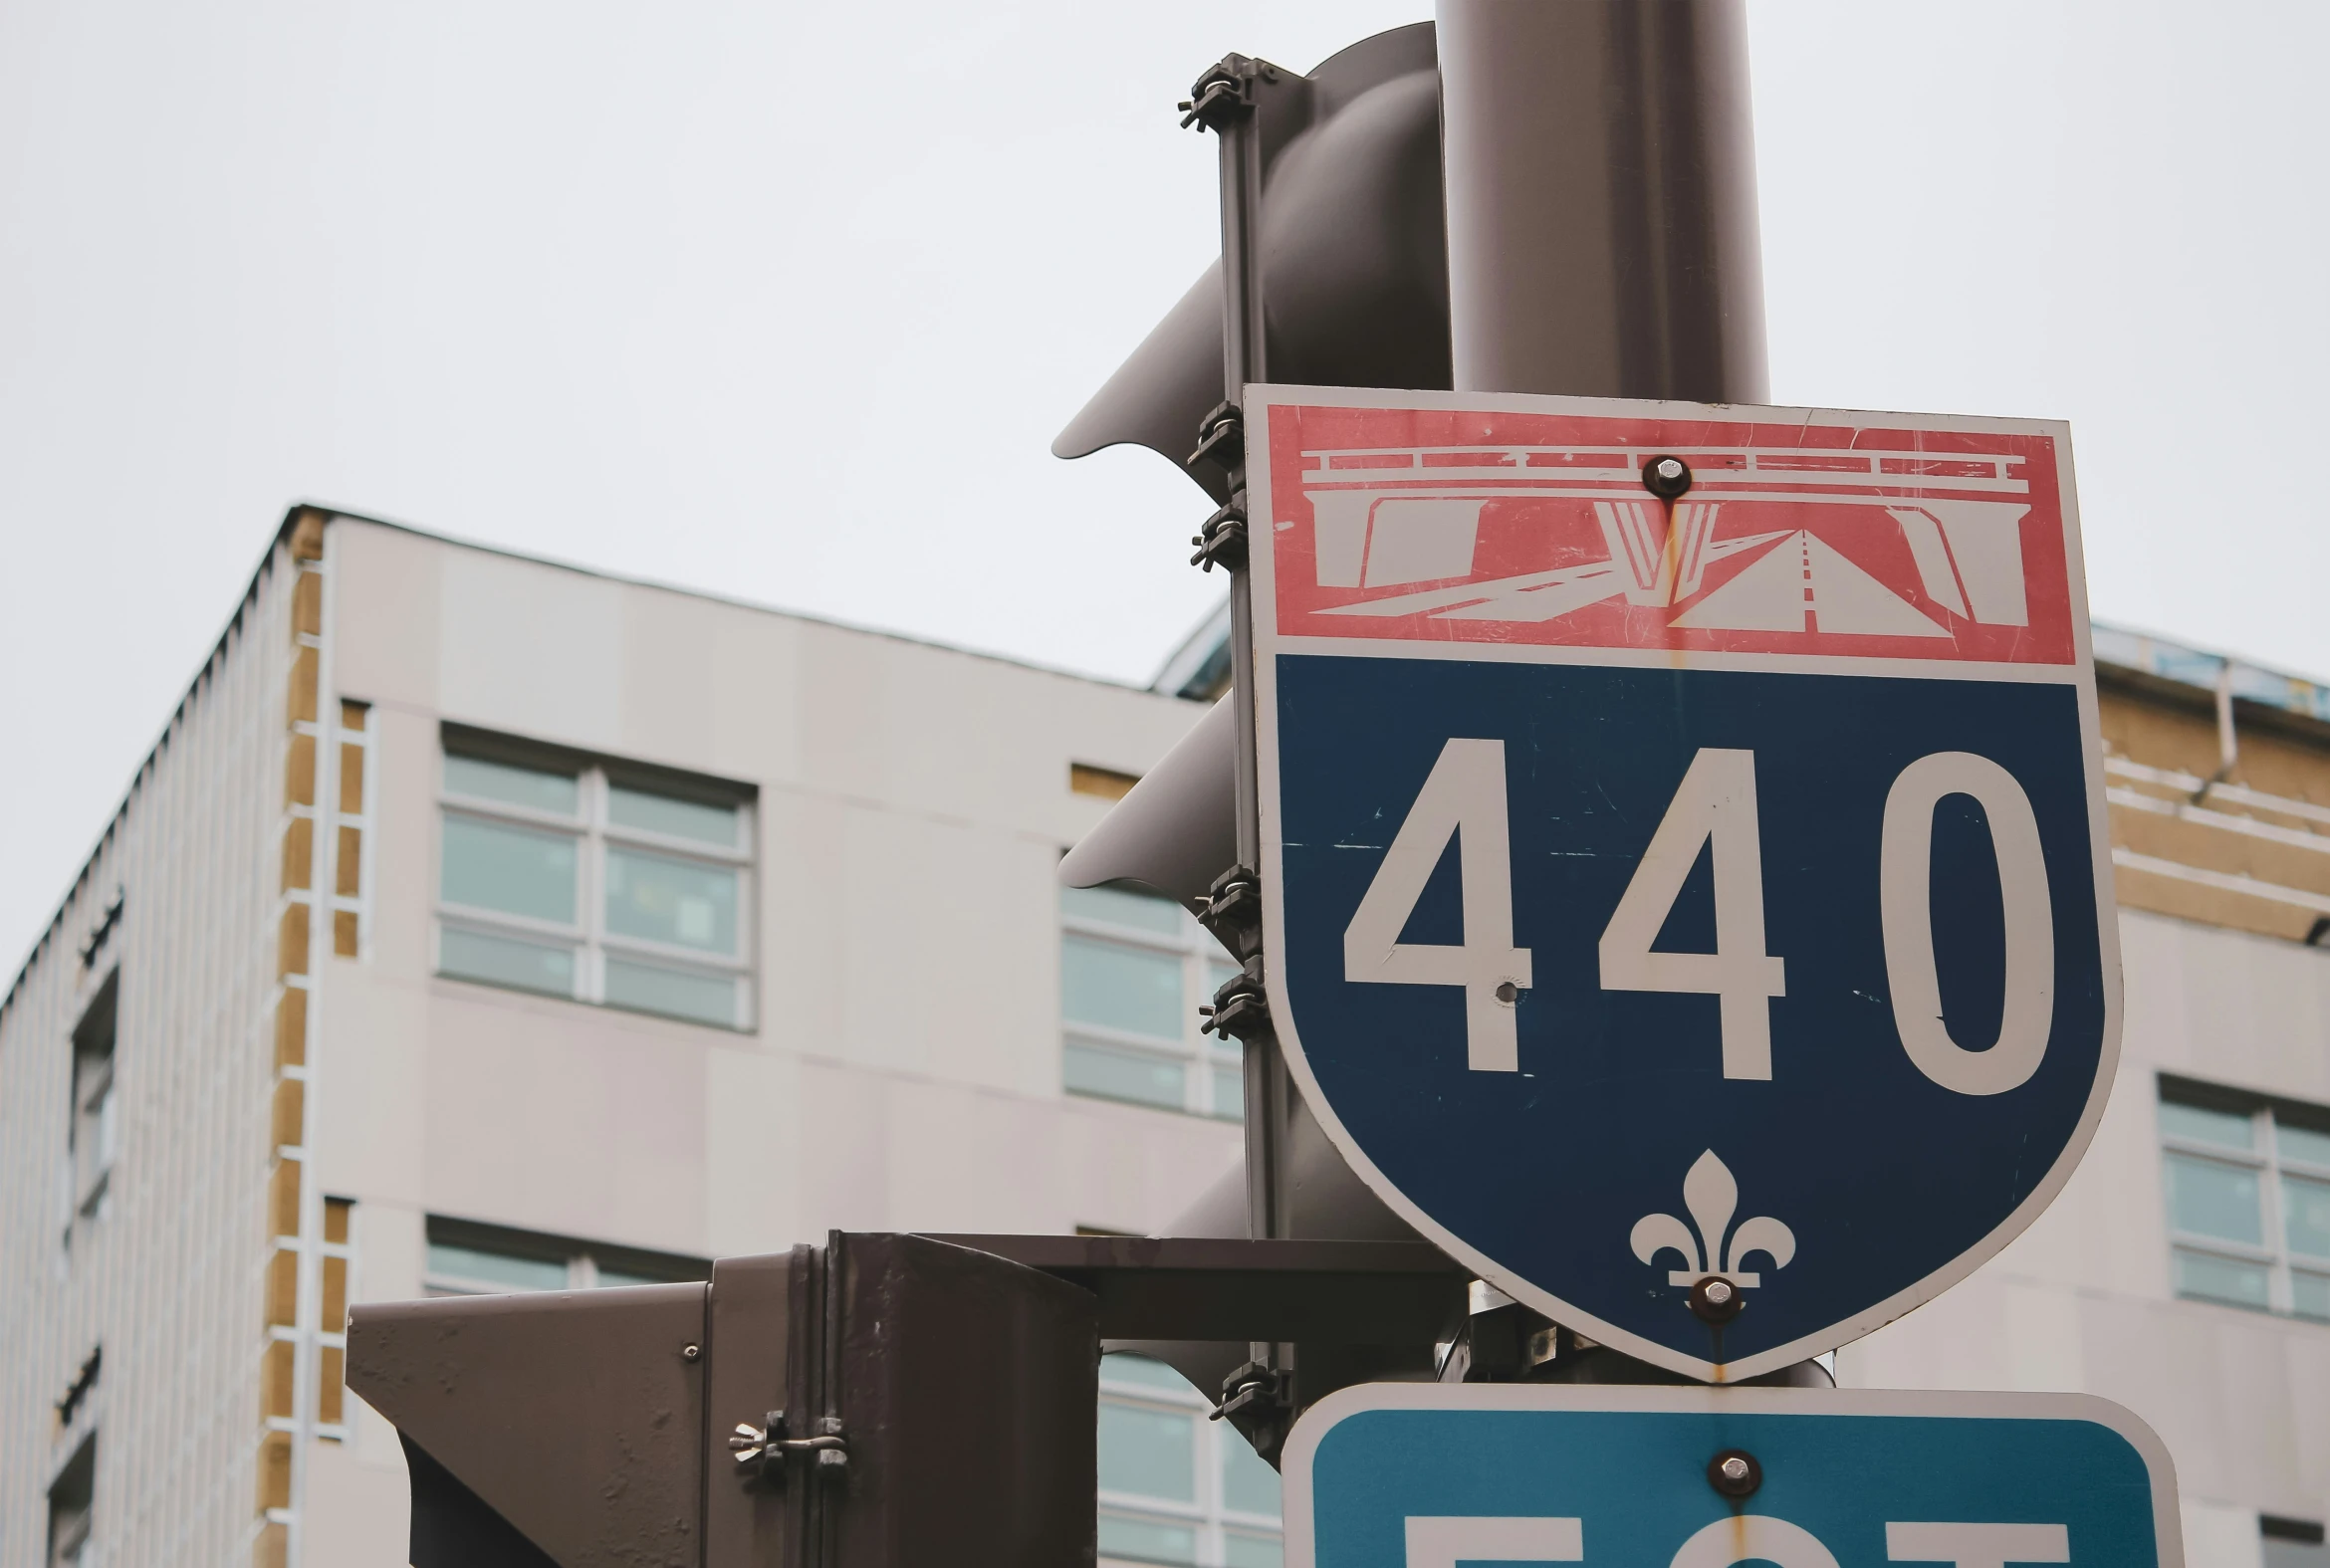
{"x": 1663, "y": 887}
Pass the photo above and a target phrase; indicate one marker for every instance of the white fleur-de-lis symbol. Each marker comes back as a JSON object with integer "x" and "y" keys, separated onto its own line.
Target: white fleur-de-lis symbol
{"x": 1712, "y": 1197}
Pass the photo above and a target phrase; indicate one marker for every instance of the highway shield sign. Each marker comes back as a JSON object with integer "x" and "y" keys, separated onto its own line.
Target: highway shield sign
{"x": 1401, "y": 1475}
{"x": 1686, "y": 885}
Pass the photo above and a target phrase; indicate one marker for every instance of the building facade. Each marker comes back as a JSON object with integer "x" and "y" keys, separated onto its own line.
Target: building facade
{"x": 480, "y": 924}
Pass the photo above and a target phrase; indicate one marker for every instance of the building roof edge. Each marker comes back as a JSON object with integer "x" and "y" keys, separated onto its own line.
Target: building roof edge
{"x": 806, "y": 618}
{"x": 281, "y": 540}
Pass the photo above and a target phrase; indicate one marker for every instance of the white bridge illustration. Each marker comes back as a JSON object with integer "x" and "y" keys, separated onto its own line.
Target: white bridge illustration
{"x": 1385, "y": 517}
{"x": 1712, "y": 1197}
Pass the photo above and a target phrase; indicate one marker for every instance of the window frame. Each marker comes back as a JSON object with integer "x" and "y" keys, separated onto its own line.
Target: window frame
{"x": 93, "y": 1138}
{"x": 595, "y": 834}
{"x": 1200, "y": 1057}
{"x": 71, "y": 1501}
{"x": 586, "y": 1261}
{"x": 1209, "y": 1516}
{"x": 2288, "y": 1542}
{"x": 2266, "y": 1160}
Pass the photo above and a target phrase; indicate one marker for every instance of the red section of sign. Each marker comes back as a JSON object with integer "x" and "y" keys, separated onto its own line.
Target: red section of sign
{"x": 1443, "y": 526}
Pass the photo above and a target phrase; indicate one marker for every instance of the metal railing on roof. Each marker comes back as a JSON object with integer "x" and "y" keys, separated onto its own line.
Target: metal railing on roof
{"x": 2149, "y": 655}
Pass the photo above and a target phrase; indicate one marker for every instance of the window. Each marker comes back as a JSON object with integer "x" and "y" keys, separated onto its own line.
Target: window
{"x": 338, "y": 1253}
{"x": 71, "y": 1498}
{"x": 1133, "y": 971}
{"x": 2293, "y": 1543}
{"x": 94, "y": 1134}
{"x": 470, "y": 1259}
{"x": 580, "y": 880}
{"x": 350, "y": 916}
{"x": 1176, "y": 1487}
{"x": 2248, "y": 1198}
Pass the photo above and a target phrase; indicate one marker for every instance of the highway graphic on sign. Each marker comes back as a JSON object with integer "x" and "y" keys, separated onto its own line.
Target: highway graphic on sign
{"x": 1799, "y": 542}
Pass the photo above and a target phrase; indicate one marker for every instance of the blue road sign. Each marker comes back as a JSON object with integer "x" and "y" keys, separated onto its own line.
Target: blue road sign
{"x": 1683, "y": 846}
{"x": 1403, "y": 1475}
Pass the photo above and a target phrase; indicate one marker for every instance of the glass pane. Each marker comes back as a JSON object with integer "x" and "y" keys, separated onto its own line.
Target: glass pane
{"x": 500, "y": 1268}
{"x": 674, "y": 901}
{"x": 528, "y": 787}
{"x": 2220, "y": 1280}
{"x": 1146, "y": 1540}
{"x": 2209, "y": 1199}
{"x": 2302, "y": 1143}
{"x": 1149, "y": 1452}
{"x": 1249, "y": 1485}
{"x": 663, "y": 813}
{"x": 517, "y": 871}
{"x": 1121, "y": 1076}
{"x": 615, "y": 1276}
{"x": 505, "y": 960}
{"x": 2305, "y": 1212}
{"x": 2310, "y": 1294}
{"x": 1123, "y": 907}
{"x": 650, "y": 987}
{"x": 1101, "y": 983}
{"x": 1121, "y": 1367}
{"x": 2204, "y": 1125}
{"x": 1230, "y": 1094}
{"x": 1250, "y": 1551}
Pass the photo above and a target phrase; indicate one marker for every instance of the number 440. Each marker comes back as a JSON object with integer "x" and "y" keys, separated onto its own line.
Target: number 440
{"x": 1715, "y": 806}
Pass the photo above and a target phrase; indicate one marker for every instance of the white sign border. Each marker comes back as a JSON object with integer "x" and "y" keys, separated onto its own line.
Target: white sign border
{"x": 1302, "y": 1443}
{"x": 1261, "y": 399}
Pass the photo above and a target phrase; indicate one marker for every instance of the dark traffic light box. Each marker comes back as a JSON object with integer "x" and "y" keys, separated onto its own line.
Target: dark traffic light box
{"x": 884, "y": 1400}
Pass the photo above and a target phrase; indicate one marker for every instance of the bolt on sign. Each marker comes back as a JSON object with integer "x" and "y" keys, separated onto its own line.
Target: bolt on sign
{"x": 1405, "y": 1476}
{"x": 1686, "y": 878}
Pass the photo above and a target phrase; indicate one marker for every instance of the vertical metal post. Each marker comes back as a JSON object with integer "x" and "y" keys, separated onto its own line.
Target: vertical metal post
{"x": 1231, "y": 89}
{"x": 1599, "y": 168}
{"x": 1237, "y": 130}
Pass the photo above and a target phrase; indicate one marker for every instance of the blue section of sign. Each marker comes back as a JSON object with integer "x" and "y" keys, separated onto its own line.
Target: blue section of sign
{"x": 1879, "y": 1175}
{"x": 1636, "y": 1482}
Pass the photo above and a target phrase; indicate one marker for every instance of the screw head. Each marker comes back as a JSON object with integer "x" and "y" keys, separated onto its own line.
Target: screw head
{"x": 690, "y": 1352}
{"x": 1735, "y": 1473}
{"x": 1716, "y": 1300}
{"x": 1507, "y": 993}
{"x": 1667, "y": 477}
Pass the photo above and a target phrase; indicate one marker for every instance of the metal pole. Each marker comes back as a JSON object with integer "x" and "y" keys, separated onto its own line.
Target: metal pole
{"x": 1599, "y": 160}
{"x": 1244, "y": 358}
{"x": 1225, "y": 101}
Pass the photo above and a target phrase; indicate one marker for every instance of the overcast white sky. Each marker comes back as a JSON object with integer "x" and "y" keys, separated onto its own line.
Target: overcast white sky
{"x": 787, "y": 302}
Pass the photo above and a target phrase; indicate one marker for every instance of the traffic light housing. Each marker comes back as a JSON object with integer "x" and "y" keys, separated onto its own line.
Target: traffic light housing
{"x": 1354, "y": 256}
{"x": 882, "y": 1400}
{"x": 1353, "y": 265}
{"x": 1354, "y": 289}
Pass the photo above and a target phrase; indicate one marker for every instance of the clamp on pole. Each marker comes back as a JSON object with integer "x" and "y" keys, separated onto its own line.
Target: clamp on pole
{"x": 1224, "y": 92}
{"x": 760, "y": 1451}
